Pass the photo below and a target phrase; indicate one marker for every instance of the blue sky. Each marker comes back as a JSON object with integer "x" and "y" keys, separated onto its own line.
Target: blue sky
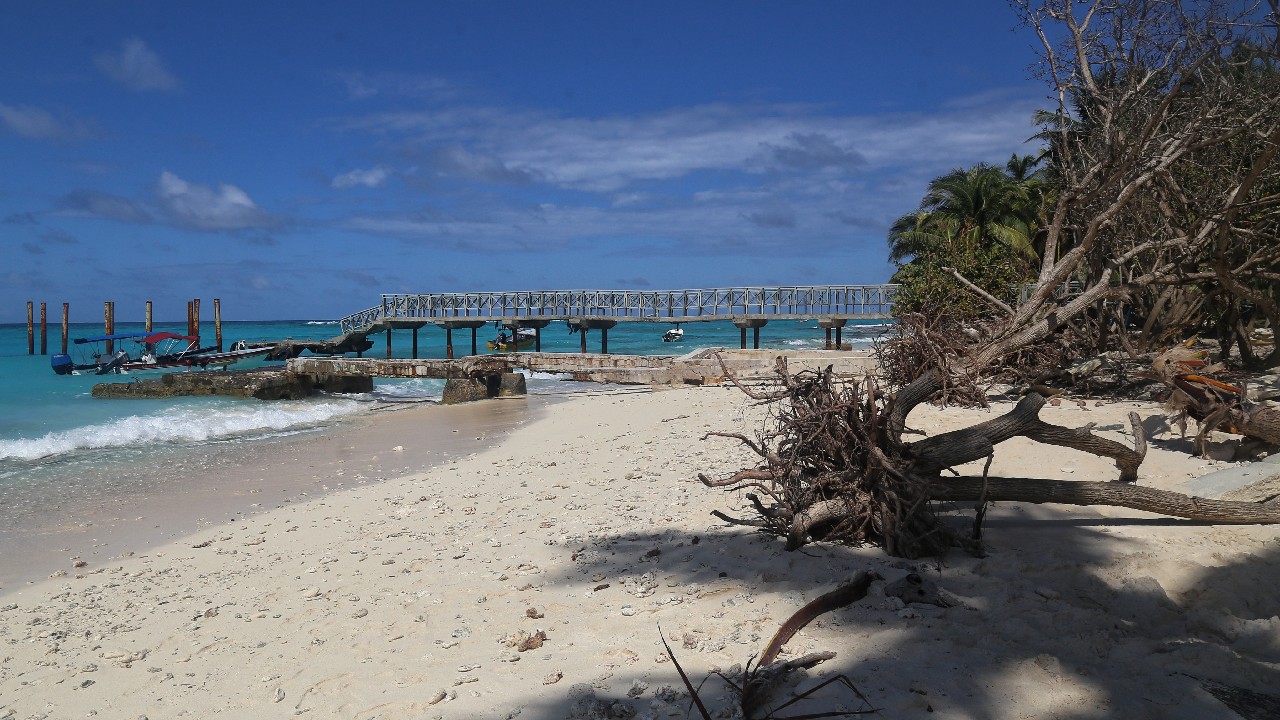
{"x": 297, "y": 159}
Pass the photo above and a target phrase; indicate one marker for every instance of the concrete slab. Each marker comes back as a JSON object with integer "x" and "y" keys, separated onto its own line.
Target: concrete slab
{"x": 1255, "y": 482}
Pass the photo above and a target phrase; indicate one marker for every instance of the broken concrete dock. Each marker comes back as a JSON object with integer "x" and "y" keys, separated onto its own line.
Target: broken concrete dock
{"x": 482, "y": 376}
{"x": 263, "y": 384}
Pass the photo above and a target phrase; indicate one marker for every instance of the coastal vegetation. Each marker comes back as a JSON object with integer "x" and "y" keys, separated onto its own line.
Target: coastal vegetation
{"x": 1152, "y": 217}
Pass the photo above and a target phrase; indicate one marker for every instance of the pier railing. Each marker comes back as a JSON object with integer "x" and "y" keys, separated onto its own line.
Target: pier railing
{"x": 846, "y": 301}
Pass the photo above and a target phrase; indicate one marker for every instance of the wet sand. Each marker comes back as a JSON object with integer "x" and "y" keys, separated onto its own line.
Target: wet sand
{"x": 226, "y": 482}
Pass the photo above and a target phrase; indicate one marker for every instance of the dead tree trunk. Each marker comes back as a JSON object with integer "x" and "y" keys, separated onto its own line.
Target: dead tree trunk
{"x": 1075, "y": 492}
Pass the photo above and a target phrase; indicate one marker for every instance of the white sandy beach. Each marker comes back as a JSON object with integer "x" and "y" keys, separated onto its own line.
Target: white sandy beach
{"x": 422, "y": 595}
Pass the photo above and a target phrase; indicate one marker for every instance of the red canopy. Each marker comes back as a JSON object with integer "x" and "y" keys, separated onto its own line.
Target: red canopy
{"x": 154, "y": 338}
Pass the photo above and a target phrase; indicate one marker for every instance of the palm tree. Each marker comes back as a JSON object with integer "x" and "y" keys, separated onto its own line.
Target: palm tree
{"x": 981, "y": 206}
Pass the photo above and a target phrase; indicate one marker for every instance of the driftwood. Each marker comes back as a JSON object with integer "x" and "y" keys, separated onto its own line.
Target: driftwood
{"x": 835, "y": 467}
{"x": 758, "y": 683}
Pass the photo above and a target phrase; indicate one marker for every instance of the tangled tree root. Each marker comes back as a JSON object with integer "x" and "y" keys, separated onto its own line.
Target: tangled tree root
{"x": 834, "y": 468}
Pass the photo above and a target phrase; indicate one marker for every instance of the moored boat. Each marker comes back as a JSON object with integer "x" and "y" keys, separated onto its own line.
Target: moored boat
{"x": 675, "y": 334}
{"x": 505, "y": 342}
{"x": 159, "y": 350}
{"x": 94, "y": 358}
{"x": 159, "y": 356}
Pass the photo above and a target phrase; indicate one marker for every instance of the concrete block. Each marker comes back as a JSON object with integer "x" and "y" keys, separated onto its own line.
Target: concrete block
{"x": 460, "y": 390}
{"x": 512, "y": 385}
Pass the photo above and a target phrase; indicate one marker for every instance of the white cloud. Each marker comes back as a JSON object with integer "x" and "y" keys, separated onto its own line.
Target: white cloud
{"x": 136, "y": 67}
{"x": 373, "y": 177}
{"x": 204, "y": 208}
{"x": 744, "y": 181}
{"x": 32, "y": 122}
{"x": 616, "y": 154}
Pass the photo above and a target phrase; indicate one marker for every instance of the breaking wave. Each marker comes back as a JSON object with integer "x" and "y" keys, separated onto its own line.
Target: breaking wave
{"x": 178, "y": 425}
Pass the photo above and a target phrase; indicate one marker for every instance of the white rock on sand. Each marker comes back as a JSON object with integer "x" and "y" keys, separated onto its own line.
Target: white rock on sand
{"x": 537, "y": 579}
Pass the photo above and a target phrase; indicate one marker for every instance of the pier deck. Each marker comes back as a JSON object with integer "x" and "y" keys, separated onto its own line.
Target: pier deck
{"x": 746, "y": 304}
{"x": 748, "y": 308}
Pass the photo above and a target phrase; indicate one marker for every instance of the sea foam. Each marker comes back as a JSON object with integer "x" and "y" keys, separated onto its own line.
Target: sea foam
{"x": 181, "y": 425}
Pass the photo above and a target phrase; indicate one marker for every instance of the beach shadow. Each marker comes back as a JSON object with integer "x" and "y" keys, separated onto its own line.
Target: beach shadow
{"x": 1073, "y": 620}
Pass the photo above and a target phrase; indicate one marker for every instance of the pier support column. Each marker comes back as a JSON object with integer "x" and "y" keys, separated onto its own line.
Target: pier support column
{"x": 451, "y": 325}
{"x": 603, "y": 326}
{"x": 217, "y": 322}
{"x": 31, "y": 329}
{"x": 109, "y": 324}
{"x": 832, "y": 324}
{"x": 44, "y": 332}
{"x": 755, "y": 324}
{"x": 415, "y": 343}
{"x": 66, "y": 323}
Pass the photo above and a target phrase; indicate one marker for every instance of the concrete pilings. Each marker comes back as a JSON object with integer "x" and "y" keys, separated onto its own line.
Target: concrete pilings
{"x": 451, "y": 325}
{"x": 601, "y": 324}
{"x": 833, "y": 324}
{"x": 754, "y": 324}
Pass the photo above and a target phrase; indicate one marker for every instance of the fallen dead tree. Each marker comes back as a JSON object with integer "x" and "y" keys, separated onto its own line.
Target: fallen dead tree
{"x": 835, "y": 467}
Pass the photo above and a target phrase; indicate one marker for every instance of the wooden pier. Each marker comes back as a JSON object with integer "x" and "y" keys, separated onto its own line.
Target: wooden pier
{"x": 748, "y": 308}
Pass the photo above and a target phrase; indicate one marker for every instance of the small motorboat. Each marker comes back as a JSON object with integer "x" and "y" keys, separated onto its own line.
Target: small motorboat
{"x": 675, "y": 334}
{"x": 159, "y": 350}
{"x": 157, "y": 356}
{"x": 95, "y": 359}
{"x": 523, "y": 338}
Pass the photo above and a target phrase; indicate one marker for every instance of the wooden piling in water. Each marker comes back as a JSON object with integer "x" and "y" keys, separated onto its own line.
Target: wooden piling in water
{"x": 44, "y": 332}
{"x": 66, "y": 325}
{"x": 195, "y": 320}
{"x": 217, "y": 322}
{"x": 148, "y": 316}
{"x": 189, "y": 330}
{"x": 109, "y": 324}
{"x": 31, "y": 331}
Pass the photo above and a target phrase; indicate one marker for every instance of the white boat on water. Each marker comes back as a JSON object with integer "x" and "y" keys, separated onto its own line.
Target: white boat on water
{"x": 675, "y": 334}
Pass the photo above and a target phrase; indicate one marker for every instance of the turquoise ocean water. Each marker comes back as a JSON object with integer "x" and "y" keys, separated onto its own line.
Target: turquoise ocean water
{"x": 57, "y": 439}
